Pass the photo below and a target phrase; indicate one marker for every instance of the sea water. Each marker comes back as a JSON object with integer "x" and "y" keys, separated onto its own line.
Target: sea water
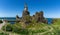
{"x": 49, "y": 20}
{"x": 13, "y": 18}
{"x": 8, "y": 18}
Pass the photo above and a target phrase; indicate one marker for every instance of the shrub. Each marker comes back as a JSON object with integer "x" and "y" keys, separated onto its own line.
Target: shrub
{"x": 1, "y": 21}
{"x": 7, "y": 28}
{"x": 3, "y": 33}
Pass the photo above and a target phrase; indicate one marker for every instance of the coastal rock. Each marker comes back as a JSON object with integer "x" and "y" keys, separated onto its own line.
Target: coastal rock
{"x": 17, "y": 19}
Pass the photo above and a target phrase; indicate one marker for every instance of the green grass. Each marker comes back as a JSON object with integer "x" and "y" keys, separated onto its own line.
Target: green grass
{"x": 37, "y": 28}
{"x": 3, "y": 33}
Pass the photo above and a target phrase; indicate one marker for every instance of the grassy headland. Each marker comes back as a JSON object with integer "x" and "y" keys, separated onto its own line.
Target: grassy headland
{"x": 35, "y": 28}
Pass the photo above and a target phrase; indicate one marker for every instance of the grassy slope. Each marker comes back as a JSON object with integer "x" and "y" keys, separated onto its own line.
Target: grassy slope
{"x": 39, "y": 28}
{"x": 56, "y": 28}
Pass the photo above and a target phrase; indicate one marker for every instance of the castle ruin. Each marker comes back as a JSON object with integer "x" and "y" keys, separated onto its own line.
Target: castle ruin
{"x": 27, "y": 18}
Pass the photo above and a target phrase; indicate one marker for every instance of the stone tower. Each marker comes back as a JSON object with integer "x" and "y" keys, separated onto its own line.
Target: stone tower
{"x": 39, "y": 16}
{"x": 25, "y": 11}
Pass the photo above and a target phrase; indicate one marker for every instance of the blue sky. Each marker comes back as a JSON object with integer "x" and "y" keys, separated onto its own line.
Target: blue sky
{"x": 10, "y": 8}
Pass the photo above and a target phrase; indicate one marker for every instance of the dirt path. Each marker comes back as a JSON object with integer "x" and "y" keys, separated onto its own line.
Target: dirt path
{"x": 10, "y": 33}
{"x": 1, "y": 25}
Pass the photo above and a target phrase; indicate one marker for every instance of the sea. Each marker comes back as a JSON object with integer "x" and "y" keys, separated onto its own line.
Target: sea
{"x": 8, "y": 18}
{"x": 14, "y": 18}
{"x": 49, "y": 20}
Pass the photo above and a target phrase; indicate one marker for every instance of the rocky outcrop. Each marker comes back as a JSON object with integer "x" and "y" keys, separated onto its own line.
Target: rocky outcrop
{"x": 17, "y": 19}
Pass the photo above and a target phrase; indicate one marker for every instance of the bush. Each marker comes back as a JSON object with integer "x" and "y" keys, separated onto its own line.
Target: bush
{"x": 3, "y": 33}
{"x": 1, "y": 21}
{"x": 7, "y": 28}
{"x": 20, "y": 30}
